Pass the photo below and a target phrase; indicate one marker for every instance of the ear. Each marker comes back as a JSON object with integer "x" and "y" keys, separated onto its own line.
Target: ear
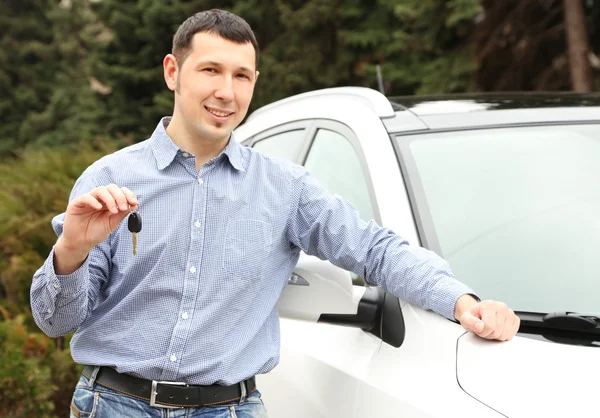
{"x": 171, "y": 70}
{"x": 256, "y": 78}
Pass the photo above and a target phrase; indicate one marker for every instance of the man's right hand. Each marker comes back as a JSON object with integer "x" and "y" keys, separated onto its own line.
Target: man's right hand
{"x": 89, "y": 220}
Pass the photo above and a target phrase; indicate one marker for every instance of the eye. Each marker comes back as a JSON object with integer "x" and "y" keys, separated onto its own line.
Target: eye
{"x": 210, "y": 70}
{"x": 244, "y": 76}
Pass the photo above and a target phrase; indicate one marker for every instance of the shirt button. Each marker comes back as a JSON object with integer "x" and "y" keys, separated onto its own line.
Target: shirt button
{"x": 200, "y": 181}
{"x": 173, "y": 357}
{"x": 185, "y": 154}
{"x": 197, "y": 224}
{"x": 185, "y": 315}
{"x": 193, "y": 269}
{"x": 49, "y": 310}
{"x": 56, "y": 285}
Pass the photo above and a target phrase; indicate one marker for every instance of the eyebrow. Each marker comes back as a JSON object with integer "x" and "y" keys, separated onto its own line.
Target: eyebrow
{"x": 218, "y": 64}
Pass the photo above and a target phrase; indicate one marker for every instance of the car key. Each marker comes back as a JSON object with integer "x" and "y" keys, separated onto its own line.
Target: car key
{"x": 134, "y": 223}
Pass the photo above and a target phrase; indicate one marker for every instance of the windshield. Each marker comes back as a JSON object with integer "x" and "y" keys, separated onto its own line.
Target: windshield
{"x": 516, "y": 211}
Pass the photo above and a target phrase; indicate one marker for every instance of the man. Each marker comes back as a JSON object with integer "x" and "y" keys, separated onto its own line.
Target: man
{"x": 223, "y": 226}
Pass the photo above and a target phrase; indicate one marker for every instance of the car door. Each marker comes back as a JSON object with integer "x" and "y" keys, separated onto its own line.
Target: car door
{"x": 321, "y": 366}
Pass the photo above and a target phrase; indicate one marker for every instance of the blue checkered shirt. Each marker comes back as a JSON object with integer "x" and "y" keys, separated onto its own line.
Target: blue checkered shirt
{"x": 199, "y": 301}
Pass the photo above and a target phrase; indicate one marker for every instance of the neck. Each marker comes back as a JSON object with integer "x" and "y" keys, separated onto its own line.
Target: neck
{"x": 204, "y": 149}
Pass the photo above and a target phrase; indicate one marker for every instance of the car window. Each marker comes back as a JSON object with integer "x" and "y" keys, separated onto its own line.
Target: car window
{"x": 283, "y": 145}
{"x": 334, "y": 162}
{"x": 517, "y": 211}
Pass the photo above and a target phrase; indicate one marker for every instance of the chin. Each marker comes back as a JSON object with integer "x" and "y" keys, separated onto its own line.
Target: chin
{"x": 214, "y": 135}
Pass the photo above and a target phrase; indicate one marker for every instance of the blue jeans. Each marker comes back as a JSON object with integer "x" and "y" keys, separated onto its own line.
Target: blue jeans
{"x": 100, "y": 402}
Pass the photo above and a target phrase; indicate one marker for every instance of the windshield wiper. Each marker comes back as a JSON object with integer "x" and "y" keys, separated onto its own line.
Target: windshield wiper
{"x": 565, "y": 327}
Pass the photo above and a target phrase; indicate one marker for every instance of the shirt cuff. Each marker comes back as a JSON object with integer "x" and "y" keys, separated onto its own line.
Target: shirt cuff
{"x": 69, "y": 284}
{"x": 477, "y": 298}
{"x": 446, "y": 296}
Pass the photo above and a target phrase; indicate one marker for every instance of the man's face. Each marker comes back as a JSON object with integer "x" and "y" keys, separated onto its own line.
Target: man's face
{"x": 214, "y": 86}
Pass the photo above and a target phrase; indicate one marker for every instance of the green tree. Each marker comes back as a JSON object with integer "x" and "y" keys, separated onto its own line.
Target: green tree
{"x": 422, "y": 45}
{"x": 130, "y": 63}
{"x": 104, "y": 59}
{"x": 51, "y": 96}
{"x": 28, "y": 62}
{"x": 75, "y": 111}
{"x": 428, "y": 49}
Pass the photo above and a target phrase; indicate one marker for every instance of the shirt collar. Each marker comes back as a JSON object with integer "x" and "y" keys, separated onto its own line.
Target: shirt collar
{"x": 165, "y": 150}
{"x": 233, "y": 150}
{"x": 163, "y": 147}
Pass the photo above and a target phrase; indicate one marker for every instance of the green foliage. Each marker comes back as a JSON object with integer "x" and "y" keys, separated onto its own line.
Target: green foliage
{"x": 28, "y": 62}
{"x": 77, "y": 70}
{"x": 36, "y": 379}
{"x": 33, "y": 189}
{"x": 431, "y": 51}
{"x": 130, "y": 63}
{"x": 23, "y": 374}
{"x": 75, "y": 112}
{"x": 37, "y": 374}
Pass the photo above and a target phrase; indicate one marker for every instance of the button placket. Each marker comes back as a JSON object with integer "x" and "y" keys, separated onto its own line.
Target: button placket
{"x": 181, "y": 330}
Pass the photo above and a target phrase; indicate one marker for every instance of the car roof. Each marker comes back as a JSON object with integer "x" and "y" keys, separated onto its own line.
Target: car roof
{"x": 422, "y": 105}
{"x": 446, "y": 112}
{"x": 462, "y": 111}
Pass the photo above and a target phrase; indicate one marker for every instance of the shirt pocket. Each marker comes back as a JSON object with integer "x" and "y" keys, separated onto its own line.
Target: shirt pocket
{"x": 246, "y": 248}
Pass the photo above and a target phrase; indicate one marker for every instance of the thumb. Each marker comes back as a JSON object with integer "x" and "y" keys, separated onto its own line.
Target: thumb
{"x": 472, "y": 322}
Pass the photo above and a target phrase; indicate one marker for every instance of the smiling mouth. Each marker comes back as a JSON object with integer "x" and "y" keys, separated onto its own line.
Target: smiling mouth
{"x": 218, "y": 113}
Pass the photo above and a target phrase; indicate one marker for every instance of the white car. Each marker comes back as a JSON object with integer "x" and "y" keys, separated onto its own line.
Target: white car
{"x": 507, "y": 189}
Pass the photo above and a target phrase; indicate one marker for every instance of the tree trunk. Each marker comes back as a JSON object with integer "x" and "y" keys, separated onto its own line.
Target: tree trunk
{"x": 578, "y": 46}
{"x": 60, "y": 343}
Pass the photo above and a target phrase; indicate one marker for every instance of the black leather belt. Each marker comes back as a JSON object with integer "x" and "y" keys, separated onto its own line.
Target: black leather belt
{"x": 169, "y": 394}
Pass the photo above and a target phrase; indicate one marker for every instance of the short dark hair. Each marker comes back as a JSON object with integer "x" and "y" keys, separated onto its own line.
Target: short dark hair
{"x": 220, "y": 22}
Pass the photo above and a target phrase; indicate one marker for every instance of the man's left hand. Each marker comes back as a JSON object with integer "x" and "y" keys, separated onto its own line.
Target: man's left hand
{"x": 488, "y": 319}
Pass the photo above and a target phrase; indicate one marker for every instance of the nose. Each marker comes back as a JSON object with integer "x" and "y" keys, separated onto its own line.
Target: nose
{"x": 224, "y": 91}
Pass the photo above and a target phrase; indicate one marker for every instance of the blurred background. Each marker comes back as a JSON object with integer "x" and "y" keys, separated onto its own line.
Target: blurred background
{"x": 82, "y": 78}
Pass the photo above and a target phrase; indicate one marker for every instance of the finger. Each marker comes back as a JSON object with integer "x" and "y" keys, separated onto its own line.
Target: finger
{"x": 119, "y": 196}
{"x": 488, "y": 316}
{"x": 116, "y": 219}
{"x": 509, "y": 326}
{"x": 471, "y": 323}
{"x": 502, "y": 315}
{"x": 106, "y": 198}
{"x": 86, "y": 201}
{"x": 516, "y": 326}
{"x": 131, "y": 198}
{"x": 500, "y": 326}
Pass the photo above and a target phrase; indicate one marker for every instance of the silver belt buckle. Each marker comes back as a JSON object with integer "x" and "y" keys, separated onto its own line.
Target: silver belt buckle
{"x": 153, "y": 393}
